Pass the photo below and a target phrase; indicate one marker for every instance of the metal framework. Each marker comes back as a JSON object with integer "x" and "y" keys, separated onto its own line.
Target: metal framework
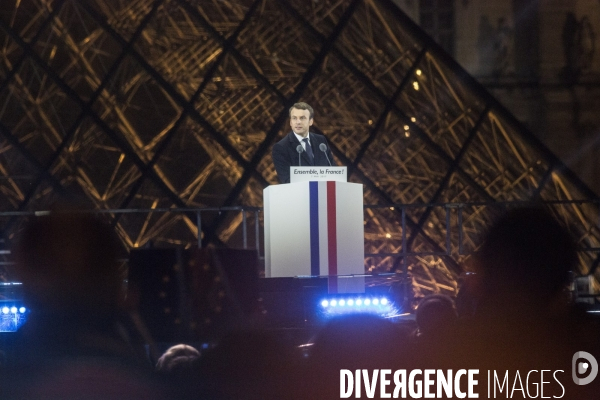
{"x": 157, "y": 104}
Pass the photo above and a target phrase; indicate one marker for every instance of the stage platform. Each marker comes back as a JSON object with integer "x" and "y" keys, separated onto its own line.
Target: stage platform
{"x": 297, "y": 302}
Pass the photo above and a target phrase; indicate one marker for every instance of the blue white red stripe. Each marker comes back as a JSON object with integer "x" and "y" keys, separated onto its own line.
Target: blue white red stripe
{"x": 323, "y": 231}
{"x": 332, "y": 235}
{"x": 314, "y": 228}
{"x": 332, "y": 230}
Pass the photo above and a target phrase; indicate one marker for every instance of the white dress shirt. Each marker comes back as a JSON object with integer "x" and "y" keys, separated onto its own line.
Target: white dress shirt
{"x": 300, "y": 138}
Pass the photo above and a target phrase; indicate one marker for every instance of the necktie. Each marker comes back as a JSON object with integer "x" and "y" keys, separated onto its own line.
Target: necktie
{"x": 309, "y": 151}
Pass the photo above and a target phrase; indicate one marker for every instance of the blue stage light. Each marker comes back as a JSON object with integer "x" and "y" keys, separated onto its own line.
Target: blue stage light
{"x": 12, "y": 316}
{"x": 358, "y": 304}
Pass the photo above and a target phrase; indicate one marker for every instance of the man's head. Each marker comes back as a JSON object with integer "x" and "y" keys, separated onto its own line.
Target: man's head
{"x": 527, "y": 251}
{"x": 435, "y": 313}
{"x": 68, "y": 262}
{"x": 301, "y": 118}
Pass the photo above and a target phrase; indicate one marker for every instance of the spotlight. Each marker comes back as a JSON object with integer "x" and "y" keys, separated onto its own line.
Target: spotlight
{"x": 5, "y": 310}
{"x": 375, "y": 302}
{"x": 325, "y": 303}
{"x": 342, "y": 302}
{"x": 333, "y": 303}
{"x": 13, "y": 310}
{"x": 367, "y": 302}
{"x": 384, "y": 301}
{"x": 22, "y": 310}
{"x": 350, "y": 302}
{"x": 359, "y": 302}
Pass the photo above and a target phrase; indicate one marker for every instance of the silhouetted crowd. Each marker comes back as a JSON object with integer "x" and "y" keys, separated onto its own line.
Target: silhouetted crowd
{"x": 514, "y": 316}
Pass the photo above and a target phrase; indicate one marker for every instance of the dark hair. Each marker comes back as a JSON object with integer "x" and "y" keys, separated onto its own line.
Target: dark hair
{"x": 303, "y": 106}
{"x": 435, "y": 311}
{"x": 69, "y": 261}
{"x": 527, "y": 249}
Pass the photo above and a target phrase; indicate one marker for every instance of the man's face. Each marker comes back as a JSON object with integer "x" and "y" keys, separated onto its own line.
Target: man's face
{"x": 300, "y": 121}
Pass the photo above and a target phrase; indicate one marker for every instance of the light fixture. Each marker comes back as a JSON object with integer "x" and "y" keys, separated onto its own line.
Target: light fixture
{"x": 361, "y": 304}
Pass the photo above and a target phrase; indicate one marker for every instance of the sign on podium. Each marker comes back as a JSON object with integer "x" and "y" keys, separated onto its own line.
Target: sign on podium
{"x": 307, "y": 174}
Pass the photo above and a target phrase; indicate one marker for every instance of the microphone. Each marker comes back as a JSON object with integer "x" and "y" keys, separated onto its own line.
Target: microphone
{"x": 299, "y": 149}
{"x": 323, "y": 148}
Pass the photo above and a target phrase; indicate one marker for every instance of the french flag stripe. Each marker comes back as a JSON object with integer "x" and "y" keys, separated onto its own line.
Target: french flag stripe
{"x": 323, "y": 233}
{"x": 332, "y": 234}
{"x": 314, "y": 228}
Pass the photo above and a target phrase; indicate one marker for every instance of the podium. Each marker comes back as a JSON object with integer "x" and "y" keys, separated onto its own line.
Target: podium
{"x": 315, "y": 228}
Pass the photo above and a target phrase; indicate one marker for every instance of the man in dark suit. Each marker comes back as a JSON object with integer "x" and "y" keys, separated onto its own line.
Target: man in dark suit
{"x": 285, "y": 152}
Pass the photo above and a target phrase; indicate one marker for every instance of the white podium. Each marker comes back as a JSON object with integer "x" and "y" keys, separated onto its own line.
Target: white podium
{"x": 316, "y": 229}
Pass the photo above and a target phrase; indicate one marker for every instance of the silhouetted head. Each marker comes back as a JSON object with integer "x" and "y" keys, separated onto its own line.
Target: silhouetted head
{"x": 357, "y": 341}
{"x": 435, "y": 313}
{"x": 177, "y": 358}
{"x": 67, "y": 262}
{"x": 352, "y": 342}
{"x": 527, "y": 251}
{"x": 248, "y": 364}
